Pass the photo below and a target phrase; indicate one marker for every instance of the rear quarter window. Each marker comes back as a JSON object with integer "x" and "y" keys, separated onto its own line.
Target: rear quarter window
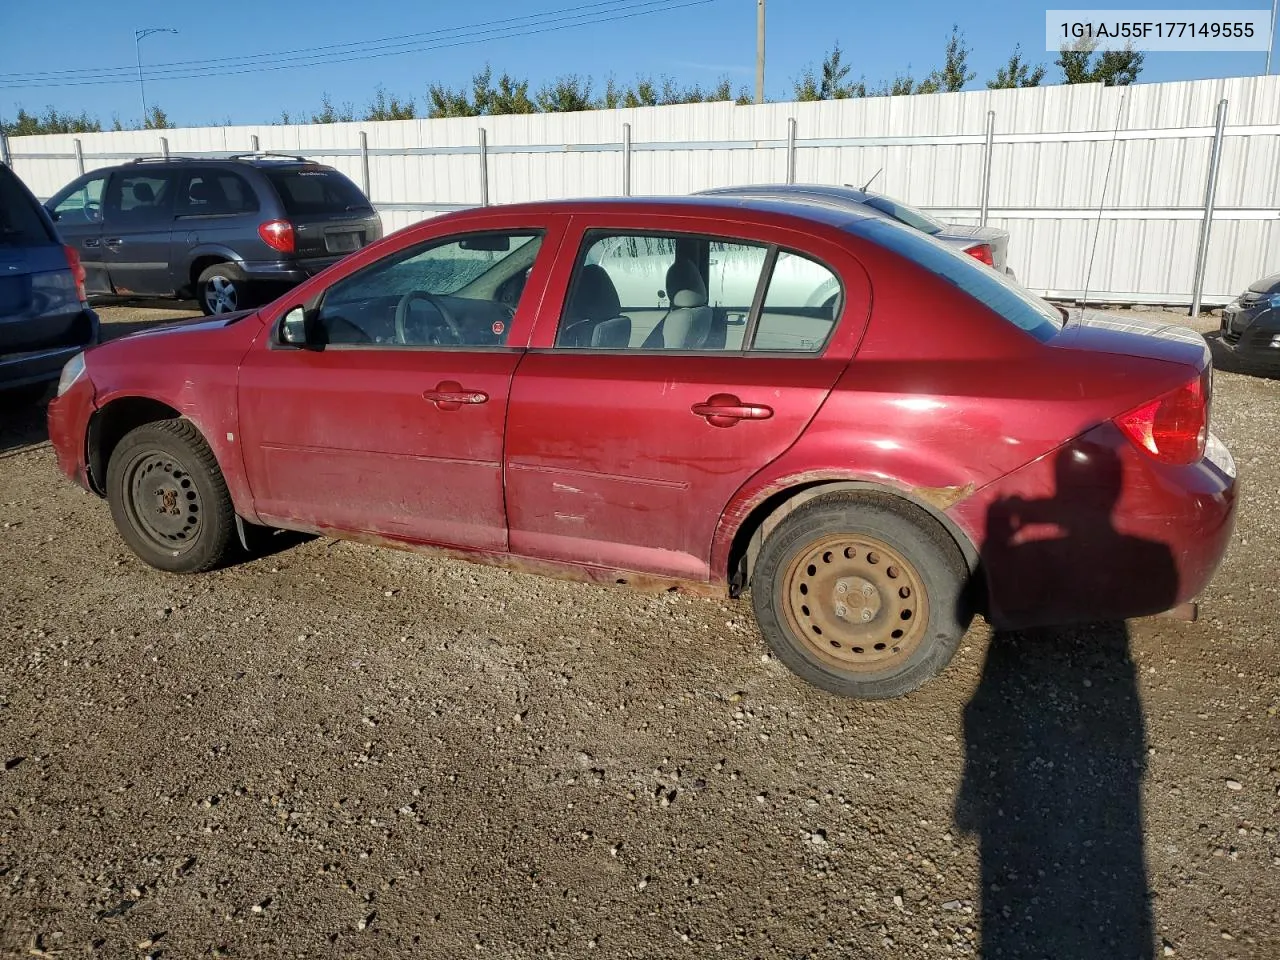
{"x": 20, "y": 220}
{"x": 994, "y": 290}
{"x": 305, "y": 190}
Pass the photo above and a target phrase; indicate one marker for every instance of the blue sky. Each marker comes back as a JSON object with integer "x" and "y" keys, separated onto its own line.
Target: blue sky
{"x": 700, "y": 42}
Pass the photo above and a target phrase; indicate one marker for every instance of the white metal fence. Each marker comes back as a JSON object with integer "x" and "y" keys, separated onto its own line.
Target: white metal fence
{"x": 1057, "y": 166}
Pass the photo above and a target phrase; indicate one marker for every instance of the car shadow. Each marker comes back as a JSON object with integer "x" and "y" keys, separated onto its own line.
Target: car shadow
{"x": 1229, "y": 362}
{"x": 1055, "y": 739}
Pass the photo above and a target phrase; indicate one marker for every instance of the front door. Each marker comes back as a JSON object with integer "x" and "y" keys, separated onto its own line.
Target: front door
{"x": 392, "y": 421}
{"x": 137, "y": 224}
{"x": 77, "y": 212}
{"x": 627, "y": 438}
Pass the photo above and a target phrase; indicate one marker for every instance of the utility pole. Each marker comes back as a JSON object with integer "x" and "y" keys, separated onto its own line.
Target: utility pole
{"x": 137, "y": 47}
{"x": 759, "y": 51}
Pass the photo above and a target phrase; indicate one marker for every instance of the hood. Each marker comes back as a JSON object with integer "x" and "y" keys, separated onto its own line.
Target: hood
{"x": 1269, "y": 284}
{"x": 192, "y": 325}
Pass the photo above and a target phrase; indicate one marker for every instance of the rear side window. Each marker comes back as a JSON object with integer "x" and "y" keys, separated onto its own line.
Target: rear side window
{"x": 306, "y": 190}
{"x": 20, "y": 220}
{"x": 989, "y": 287}
{"x": 209, "y": 193}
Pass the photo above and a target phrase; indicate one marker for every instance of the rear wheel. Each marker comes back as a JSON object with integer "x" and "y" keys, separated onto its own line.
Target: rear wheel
{"x": 168, "y": 498}
{"x": 861, "y": 597}
{"x": 222, "y": 288}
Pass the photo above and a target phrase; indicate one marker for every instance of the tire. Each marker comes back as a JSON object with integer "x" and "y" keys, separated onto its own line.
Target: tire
{"x": 861, "y": 596}
{"x": 222, "y": 288}
{"x": 168, "y": 498}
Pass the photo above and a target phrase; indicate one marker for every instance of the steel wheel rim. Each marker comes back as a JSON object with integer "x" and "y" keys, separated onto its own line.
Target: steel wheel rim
{"x": 164, "y": 502}
{"x": 855, "y": 603}
{"x": 220, "y": 295}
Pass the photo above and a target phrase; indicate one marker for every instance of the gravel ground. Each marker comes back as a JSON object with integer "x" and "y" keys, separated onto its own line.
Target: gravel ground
{"x": 338, "y": 750}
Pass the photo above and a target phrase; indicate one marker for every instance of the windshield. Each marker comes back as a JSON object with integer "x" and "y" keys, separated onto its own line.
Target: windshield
{"x": 990, "y": 287}
{"x": 306, "y": 190}
{"x": 916, "y": 219}
{"x": 20, "y": 220}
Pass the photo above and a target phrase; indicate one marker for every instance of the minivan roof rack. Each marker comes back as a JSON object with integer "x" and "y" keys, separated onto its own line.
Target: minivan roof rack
{"x": 162, "y": 159}
{"x": 263, "y": 154}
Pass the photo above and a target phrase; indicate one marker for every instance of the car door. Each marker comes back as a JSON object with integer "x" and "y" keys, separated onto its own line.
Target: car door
{"x": 137, "y": 225}
{"x": 622, "y": 451}
{"x": 77, "y": 213}
{"x": 391, "y": 421}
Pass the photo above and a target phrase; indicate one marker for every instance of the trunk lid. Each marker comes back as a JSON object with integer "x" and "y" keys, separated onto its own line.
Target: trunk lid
{"x": 1102, "y": 333}
{"x": 966, "y": 235}
{"x": 334, "y": 234}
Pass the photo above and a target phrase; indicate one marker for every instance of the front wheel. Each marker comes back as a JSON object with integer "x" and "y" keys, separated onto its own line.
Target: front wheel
{"x": 861, "y": 597}
{"x": 222, "y": 288}
{"x": 168, "y": 498}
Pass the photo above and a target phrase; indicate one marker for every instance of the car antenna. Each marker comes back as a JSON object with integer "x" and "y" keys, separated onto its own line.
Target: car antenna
{"x": 1097, "y": 227}
{"x": 872, "y": 180}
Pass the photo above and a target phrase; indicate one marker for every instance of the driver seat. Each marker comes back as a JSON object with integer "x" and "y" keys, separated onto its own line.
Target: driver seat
{"x": 593, "y": 316}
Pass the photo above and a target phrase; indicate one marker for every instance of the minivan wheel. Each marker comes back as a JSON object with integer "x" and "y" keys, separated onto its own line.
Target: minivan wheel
{"x": 168, "y": 498}
{"x": 861, "y": 597}
{"x": 222, "y": 288}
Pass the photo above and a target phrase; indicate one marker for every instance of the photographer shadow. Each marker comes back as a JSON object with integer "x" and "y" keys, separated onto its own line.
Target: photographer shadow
{"x": 1055, "y": 740}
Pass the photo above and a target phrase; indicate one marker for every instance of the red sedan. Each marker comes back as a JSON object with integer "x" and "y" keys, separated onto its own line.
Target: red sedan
{"x": 874, "y": 434}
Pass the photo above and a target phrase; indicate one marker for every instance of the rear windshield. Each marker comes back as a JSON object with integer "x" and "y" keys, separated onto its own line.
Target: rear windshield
{"x": 912, "y": 217}
{"x": 990, "y": 287}
{"x": 20, "y": 220}
{"x": 306, "y": 190}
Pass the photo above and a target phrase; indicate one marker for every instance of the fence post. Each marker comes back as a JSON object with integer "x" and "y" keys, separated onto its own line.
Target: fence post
{"x": 5, "y": 155}
{"x": 484, "y": 168}
{"x": 79, "y": 156}
{"x": 364, "y": 165}
{"x": 1210, "y": 191}
{"x": 791, "y": 150}
{"x": 986, "y": 166}
{"x": 253, "y": 142}
{"x": 164, "y": 147}
{"x": 626, "y": 159}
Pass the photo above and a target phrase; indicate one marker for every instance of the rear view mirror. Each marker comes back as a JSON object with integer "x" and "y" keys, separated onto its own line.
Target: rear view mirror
{"x": 491, "y": 242}
{"x": 293, "y": 328}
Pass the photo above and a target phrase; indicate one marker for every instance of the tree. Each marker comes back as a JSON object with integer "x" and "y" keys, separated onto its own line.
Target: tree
{"x": 331, "y": 114}
{"x": 830, "y": 83}
{"x": 1115, "y": 68}
{"x": 51, "y": 121}
{"x": 566, "y": 94}
{"x": 386, "y": 106}
{"x": 156, "y": 119}
{"x": 1016, "y": 73}
{"x": 955, "y": 72}
{"x": 508, "y": 97}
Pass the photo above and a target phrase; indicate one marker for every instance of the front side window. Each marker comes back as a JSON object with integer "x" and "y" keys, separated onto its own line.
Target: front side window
{"x": 462, "y": 291}
{"x": 661, "y": 292}
{"x": 139, "y": 197}
{"x": 83, "y": 204}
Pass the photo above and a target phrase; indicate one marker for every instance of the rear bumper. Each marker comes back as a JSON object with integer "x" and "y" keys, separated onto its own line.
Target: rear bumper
{"x": 43, "y": 364}
{"x": 286, "y": 271}
{"x": 1099, "y": 531}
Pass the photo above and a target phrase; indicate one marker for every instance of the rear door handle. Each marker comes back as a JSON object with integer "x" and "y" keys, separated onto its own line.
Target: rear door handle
{"x": 724, "y": 410}
{"x": 450, "y": 395}
{"x": 113, "y": 242}
{"x": 91, "y": 242}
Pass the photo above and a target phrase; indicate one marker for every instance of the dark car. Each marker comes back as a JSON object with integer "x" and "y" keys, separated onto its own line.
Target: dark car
{"x": 230, "y": 232}
{"x": 44, "y": 319}
{"x": 868, "y": 429}
{"x": 1251, "y": 324}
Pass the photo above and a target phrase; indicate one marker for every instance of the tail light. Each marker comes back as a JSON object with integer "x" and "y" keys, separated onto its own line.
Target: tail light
{"x": 983, "y": 252}
{"x": 277, "y": 234}
{"x": 1173, "y": 428}
{"x": 77, "y": 271}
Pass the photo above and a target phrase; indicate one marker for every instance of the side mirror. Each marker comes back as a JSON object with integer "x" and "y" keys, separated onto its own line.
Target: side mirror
{"x": 294, "y": 328}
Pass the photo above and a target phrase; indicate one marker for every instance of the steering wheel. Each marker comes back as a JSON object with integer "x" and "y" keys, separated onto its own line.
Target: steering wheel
{"x": 402, "y": 316}
{"x": 92, "y": 210}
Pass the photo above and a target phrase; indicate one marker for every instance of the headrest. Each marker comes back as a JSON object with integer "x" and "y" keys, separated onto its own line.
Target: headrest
{"x": 594, "y": 296}
{"x": 685, "y": 286}
{"x": 143, "y": 193}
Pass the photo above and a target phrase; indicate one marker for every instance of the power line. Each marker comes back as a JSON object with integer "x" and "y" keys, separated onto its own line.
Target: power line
{"x": 507, "y": 30}
{"x": 348, "y": 47}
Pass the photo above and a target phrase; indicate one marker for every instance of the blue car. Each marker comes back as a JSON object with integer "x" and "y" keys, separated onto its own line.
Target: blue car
{"x": 45, "y": 318}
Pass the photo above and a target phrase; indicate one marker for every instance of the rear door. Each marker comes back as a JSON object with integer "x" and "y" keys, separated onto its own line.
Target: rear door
{"x": 137, "y": 227}
{"x": 625, "y": 456}
{"x": 330, "y": 216}
{"x": 77, "y": 212}
{"x": 214, "y": 208}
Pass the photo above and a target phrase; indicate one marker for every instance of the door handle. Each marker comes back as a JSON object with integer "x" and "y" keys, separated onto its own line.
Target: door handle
{"x": 724, "y": 410}
{"x": 91, "y": 242}
{"x": 113, "y": 242}
{"x": 450, "y": 395}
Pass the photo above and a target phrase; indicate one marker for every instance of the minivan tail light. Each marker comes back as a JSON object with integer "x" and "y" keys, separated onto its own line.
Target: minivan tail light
{"x": 77, "y": 272}
{"x": 983, "y": 252}
{"x": 1174, "y": 427}
{"x": 277, "y": 234}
